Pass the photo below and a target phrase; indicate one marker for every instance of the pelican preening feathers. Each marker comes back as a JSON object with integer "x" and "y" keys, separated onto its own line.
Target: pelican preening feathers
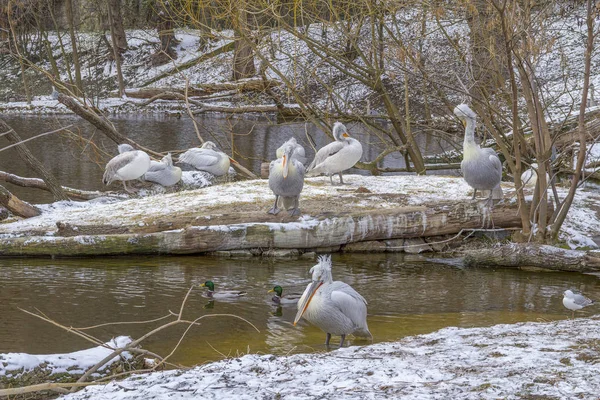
{"x": 130, "y": 164}
{"x": 337, "y": 156}
{"x": 164, "y": 172}
{"x": 286, "y": 180}
{"x": 333, "y": 306}
{"x": 481, "y": 167}
{"x": 575, "y": 301}
{"x": 207, "y": 158}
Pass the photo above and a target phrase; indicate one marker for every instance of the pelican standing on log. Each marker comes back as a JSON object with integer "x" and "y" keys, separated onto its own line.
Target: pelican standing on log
{"x": 333, "y": 306}
{"x": 298, "y": 153}
{"x": 286, "y": 180}
{"x": 337, "y": 156}
{"x": 130, "y": 164}
{"x": 480, "y": 167}
{"x": 164, "y": 172}
{"x": 207, "y": 158}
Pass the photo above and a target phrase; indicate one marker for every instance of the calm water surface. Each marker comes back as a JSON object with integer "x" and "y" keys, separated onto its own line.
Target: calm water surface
{"x": 407, "y": 295}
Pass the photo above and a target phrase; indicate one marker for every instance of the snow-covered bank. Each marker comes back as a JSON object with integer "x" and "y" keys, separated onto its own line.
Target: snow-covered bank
{"x": 550, "y": 360}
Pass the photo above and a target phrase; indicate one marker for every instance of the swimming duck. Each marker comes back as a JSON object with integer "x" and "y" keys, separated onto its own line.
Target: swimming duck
{"x": 226, "y": 294}
{"x": 278, "y": 298}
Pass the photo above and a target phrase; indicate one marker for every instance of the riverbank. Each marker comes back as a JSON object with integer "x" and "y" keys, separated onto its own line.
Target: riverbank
{"x": 555, "y": 360}
{"x": 384, "y": 213}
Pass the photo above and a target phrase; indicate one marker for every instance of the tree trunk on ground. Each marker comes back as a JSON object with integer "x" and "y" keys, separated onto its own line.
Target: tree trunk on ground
{"x": 77, "y": 66}
{"x": 534, "y": 255}
{"x": 34, "y": 163}
{"x": 16, "y": 205}
{"x": 166, "y": 34}
{"x": 243, "y": 55}
{"x": 116, "y": 25}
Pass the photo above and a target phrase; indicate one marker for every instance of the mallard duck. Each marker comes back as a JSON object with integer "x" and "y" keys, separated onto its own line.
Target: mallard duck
{"x": 337, "y": 156}
{"x": 278, "y": 298}
{"x": 333, "y": 306}
{"x": 207, "y": 158}
{"x": 225, "y": 294}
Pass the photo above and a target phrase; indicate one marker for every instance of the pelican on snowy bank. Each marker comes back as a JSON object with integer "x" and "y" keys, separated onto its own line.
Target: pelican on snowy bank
{"x": 298, "y": 153}
{"x": 575, "y": 301}
{"x": 333, "y": 306}
{"x": 337, "y": 156}
{"x": 130, "y": 164}
{"x": 480, "y": 167}
{"x": 286, "y": 180}
{"x": 207, "y": 158}
{"x": 164, "y": 172}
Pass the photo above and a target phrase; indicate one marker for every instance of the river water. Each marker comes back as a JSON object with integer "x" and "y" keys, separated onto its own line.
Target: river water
{"x": 407, "y": 295}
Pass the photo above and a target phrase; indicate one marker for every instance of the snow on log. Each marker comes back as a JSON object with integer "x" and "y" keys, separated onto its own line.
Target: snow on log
{"x": 534, "y": 255}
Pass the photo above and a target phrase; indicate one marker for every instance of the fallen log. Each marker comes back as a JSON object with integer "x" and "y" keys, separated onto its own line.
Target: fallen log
{"x": 37, "y": 183}
{"x": 517, "y": 255}
{"x": 244, "y": 230}
{"x": 245, "y": 85}
{"x": 15, "y": 205}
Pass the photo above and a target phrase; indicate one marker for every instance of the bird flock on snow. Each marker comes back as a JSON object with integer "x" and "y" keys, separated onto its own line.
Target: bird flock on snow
{"x": 333, "y": 306}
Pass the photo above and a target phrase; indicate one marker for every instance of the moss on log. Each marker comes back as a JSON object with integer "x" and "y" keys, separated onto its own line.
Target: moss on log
{"x": 260, "y": 230}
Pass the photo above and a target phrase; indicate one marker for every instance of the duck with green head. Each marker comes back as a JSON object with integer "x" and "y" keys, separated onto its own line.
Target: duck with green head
{"x": 288, "y": 299}
{"x": 223, "y": 294}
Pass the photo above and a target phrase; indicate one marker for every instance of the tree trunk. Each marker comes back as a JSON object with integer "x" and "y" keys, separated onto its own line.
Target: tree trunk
{"x": 34, "y": 163}
{"x": 77, "y": 66}
{"x": 15, "y": 205}
{"x": 116, "y": 25}
{"x": 243, "y": 55}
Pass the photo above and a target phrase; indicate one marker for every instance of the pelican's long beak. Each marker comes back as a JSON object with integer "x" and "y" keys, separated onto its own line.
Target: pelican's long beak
{"x": 285, "y": 167}
{"x": 311, "y": 290}
{"x": 345, "y": 134}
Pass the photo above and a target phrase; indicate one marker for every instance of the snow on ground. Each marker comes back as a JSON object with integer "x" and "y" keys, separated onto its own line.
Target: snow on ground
{"x": 14, "y": 364}
{"x": 579, "y": 230}
{"x": 555, "y": 360}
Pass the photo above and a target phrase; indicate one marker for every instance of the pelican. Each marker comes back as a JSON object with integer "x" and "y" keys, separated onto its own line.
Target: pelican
{"x": 298, "y": 153}
{"x": 481, "y": 168}
{"x": 278, "y": 298}
{"x": 227, "y": 294}
{"x": 529, "y": 177}
{"x": 333, "y": 306}
{"x": 207, "y": 158}
{"x": 130, "y": 164}
{"x": 286, "y": 179}
{"x": 164, "y": 172}
{"x": 575, "y": 301}
{"x": 337, "y": 156}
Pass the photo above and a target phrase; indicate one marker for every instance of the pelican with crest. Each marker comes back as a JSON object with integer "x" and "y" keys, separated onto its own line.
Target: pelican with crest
{"x": 337, "y": 156}
{"x": 333, "y": 306}
{"x": 286, "y": 180}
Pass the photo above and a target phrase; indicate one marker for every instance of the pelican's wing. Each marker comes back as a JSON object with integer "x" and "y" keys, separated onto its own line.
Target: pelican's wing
{"x": 116, "y": 163}
{"x": 493, "y": 157}
{"x": 581, "y": 300}
{"x": 156, "y": 166}
{"x": 324, "y": 152}
{"x": 349, "y": 301}
{"x": 199, "y": 157}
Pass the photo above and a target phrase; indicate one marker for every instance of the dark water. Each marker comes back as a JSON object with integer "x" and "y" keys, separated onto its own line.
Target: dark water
{"x": 406, "y": 295}
{"x": 78, "y": 164}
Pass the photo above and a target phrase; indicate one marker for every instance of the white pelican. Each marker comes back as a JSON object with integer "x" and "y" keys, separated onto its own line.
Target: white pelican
{"x": 575, "y": 301}
{"x": 227, "y": 294}
{"x": 529, "y": 177}
{"x": 337, "y": 156}
{"x": 333, "y": 306}
{"x": 164, "y": 172}
{"x": 130, "y": 164}
{"x": 298, "y": 153}
{"x": 481, "y": 168}
{"x": 206, "y": 158}
{"x": 286, "y": 180}
{"x": 279, "y": 298}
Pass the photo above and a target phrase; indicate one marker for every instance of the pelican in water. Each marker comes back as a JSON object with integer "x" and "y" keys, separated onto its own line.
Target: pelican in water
{"x": 480, "y": 167}
{"x": 575, "y": 301}
{"x": 298, "y": 153}
{"x": 278, "y": 297}
{"x": 164, "y": 172}
{"x": 207, "y": 158}
{"x": 223, "y": 294}
{"x": 130, "y": 164}
{"x": 333, "y": 306}
{"x": 337, "y": 156}
{"x": 286, "y": 179}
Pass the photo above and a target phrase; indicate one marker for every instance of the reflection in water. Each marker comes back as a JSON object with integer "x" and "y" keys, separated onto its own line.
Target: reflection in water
{"x": 406, "y": 296}
{"x": 254, "y": 142}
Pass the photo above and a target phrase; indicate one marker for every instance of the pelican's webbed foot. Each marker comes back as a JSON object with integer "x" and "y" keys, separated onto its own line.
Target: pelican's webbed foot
{"x": 274, "y": 210}
{"x": 294, "y": 212}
